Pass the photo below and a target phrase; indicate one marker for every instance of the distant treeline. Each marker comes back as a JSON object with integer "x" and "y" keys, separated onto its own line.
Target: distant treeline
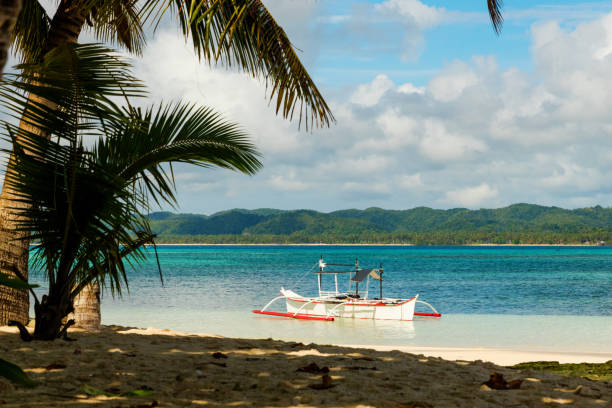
{"x": 516, "y": 224}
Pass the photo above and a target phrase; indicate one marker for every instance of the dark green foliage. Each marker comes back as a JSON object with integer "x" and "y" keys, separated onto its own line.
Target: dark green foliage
{"x": 82, "y": 195}
{"x": 516, "y": 224}
{"x": 593, "y": 371}
{"x": 15, "y": 374}
{"x": 14, "y": 283}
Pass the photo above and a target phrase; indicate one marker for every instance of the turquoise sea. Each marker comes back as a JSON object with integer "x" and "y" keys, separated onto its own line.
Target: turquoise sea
{"x": 549, "y": 298}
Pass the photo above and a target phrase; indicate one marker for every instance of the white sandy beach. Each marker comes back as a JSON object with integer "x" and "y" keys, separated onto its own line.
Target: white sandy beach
{"x": 178, "y": 369}
{"x": 501, "y": 356}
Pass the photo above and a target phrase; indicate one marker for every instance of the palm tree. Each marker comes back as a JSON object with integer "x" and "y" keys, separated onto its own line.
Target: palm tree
{"x": 240, "y": 33}
{"x": 83, "y": 194}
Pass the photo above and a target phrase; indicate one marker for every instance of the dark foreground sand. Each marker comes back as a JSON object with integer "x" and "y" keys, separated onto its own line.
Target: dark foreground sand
{"x": 174, "y": 369}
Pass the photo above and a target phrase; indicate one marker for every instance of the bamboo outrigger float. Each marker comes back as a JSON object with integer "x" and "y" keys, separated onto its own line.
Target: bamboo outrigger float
{"x": 350, "y": 304}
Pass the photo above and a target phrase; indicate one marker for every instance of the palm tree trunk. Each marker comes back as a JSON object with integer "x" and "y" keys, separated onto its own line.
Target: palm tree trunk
{"x": 9, "y": 10}
{"x": 14, "y": 304}
{"x": 87, "y": 308}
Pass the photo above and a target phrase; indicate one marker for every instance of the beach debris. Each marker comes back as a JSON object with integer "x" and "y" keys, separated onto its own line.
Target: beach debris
{"x": 497, "y": 382}
{"x": 55, "y": 366}
{"x": 77, "y": 350}
{"x": 218, "y": 364}
{"x": 414, "y": 404}
{"x": 218, "y": 355}
{"x": 326, "y": 382}
{"x": 313, "y": 368}
{"x": 294, "y": 345}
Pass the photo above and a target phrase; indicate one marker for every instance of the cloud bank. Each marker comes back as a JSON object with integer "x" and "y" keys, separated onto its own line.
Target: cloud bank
{"x": 474, "y": 135}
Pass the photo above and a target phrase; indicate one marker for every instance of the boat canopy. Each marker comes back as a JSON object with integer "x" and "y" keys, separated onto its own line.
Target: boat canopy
{"x": 361, "y": 274}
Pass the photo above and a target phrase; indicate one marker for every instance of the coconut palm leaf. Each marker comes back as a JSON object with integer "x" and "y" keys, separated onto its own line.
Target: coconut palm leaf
{"x": 495, "y": 14}
{"x": 116, "y": 21}
{"x": 31, "y": 31}
{"x": 243, "y": 33}
{"x": 119, "y": 22}
{"x": 15, "y": 374}
{"x": 89, "y": 76}
{"x": 176, "y": 133}
{"x": 15, "y": 283}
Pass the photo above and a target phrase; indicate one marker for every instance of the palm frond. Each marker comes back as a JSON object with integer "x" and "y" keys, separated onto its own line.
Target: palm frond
{"x": 495, "y": 14}
{"x": 60, "y": 188}
{"x": 178, "y": 133}
{"x": 244, "y": 34}
{"x": 84, "y": 206}
{"x": 119, "y": 22}
{"x": 30, "y": 31}
{"x": 83, "y": 76}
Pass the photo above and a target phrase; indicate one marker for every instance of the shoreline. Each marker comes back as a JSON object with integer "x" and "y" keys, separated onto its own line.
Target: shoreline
{"x": 129, "y": 367}
{"x": 495, "y": 355}
{"x": 382, "y": 245}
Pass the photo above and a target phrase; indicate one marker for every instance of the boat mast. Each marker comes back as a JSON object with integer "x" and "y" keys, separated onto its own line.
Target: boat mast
{"x": 320, "y": 270}
{"x": 380, "y": 273}
{"x": 356, "y": 283}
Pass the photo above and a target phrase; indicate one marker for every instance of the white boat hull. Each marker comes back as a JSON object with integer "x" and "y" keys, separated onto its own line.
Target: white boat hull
{"x": 400, "y": 309}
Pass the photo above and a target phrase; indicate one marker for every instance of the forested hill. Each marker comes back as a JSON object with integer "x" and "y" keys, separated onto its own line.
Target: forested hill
{"x": 519, "y": 223}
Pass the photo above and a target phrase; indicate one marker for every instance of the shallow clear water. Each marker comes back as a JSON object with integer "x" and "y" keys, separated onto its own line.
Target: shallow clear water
{"x": 520, "y": 297}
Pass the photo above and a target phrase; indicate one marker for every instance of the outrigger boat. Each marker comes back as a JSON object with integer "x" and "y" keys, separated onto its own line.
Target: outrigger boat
{"x": 350, "y": 304}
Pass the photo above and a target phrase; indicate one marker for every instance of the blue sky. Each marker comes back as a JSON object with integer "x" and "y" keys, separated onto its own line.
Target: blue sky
{"x": 466, "y": 32}
{"x": 432, "y": 107}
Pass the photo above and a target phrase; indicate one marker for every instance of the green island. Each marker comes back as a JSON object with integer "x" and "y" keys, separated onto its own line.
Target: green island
{"x": 518, "y": 224}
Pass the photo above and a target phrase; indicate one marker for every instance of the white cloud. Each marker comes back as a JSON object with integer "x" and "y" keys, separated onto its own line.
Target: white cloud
{"x": 440, "y": 145}
{"x": 410, "y": 181}
{"x": 474, "y": 135}
{"x": 370, "y": 94}
{"x": 409, "y": 88}
{"x": 451, "y": 84}
{"x": 287, "y": 182}
{"x": 368, "y": 188}
{"x": 400, "y": 130}
{"x": 472, "y": 196}
{"x": 414, "y": 11}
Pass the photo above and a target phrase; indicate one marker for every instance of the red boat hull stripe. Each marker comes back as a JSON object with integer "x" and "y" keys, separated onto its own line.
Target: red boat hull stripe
{"x": 295, "y": 316}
